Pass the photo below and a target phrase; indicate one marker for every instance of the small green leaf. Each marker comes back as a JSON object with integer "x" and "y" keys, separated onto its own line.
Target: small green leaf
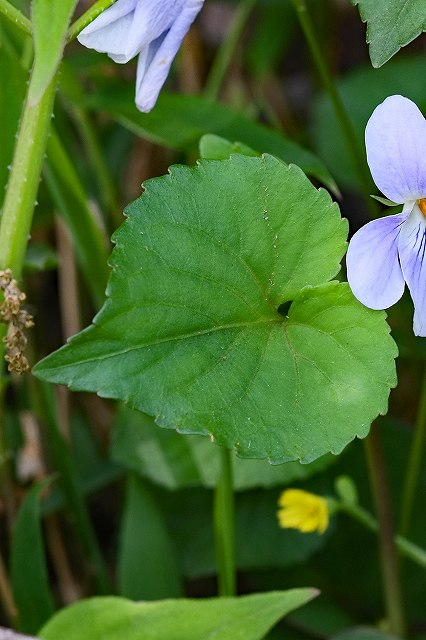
{"x": 147, "y": 568}
{"x": 196, "y": 333}
{"x": 245, "y": 618}
{"x": 391, "y": 25}
{"x": 50, "y": 24}
{"x": 214, "y": 147}
{"x": 385, "y": 201}
{"x": 28, "y": 565}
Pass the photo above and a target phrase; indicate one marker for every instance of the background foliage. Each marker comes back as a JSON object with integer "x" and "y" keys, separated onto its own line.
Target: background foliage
{"x": 95, "y": 498}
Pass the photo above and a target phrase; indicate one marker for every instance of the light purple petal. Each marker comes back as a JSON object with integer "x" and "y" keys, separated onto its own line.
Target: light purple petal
{"x": 395, "y": 138}
{"x": 411, "y": 248}
{"x": 109, "y": 33}
{"x": 154, "y": 65}
{"x": 153, "y": 18}
{"x": 373, "y": 269}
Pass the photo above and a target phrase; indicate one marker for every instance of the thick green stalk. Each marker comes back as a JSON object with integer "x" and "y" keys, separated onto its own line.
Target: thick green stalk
{"x": 16, "y": 17}
{"x": 225, "y": 53}
{"x": 414, "y": 462}
{"x": 87, "y": 18}
{"x": 391, "y": 579}
{"x": 338, "y": 106}
{"x": 24, "y": 178}
{"x": 224, "y": 525}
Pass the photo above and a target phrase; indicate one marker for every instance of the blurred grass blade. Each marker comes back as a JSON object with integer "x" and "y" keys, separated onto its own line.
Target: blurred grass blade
{"x": 69, "y": 480}
{"x": 179, "y": 121}
{"x": 71, "y": 201}
{"x": 28, "y": 565}
{"x": 147, "y": 568}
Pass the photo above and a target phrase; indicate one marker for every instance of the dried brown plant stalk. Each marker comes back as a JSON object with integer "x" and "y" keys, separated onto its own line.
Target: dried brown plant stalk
{"x": 17, "y": 320}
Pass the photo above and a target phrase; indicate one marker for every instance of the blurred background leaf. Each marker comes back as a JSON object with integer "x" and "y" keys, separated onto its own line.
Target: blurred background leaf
{"x": 30, "y": 581}
{"x": 391, "y": 25}
{"x": 147, "y": 565}
{"x": 244, "y": 618}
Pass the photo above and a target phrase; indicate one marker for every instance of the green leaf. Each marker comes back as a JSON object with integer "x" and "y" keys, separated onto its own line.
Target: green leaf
{"x": 385, "y": 201}
{"x": 391, "y": 25}
{"x": 176, "y": 461}
{"x": 214, "y": 147}
{"x": 245, "y": 618}
{"x": 50, "y": 24}
{"x": 28, "y": 565}
{"x": 147, "y": 568}
{"x": 191, "y": 332}
{"x": 179, "y": 121}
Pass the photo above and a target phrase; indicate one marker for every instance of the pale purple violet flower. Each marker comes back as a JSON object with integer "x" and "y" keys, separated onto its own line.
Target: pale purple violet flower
{"x": 389, "y": 252}
{"x": 152, "y": 29}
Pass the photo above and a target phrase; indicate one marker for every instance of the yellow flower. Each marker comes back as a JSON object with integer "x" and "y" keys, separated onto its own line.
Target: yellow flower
{"x": 302, "y": 510}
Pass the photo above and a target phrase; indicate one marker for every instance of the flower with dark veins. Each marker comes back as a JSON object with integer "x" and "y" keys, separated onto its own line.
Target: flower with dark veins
{"x": 150, "y": 29}
{"x": 389, "y": 252}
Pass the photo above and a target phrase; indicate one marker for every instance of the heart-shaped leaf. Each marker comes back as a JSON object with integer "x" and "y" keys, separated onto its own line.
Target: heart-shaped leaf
{"x": 195, "y": 330}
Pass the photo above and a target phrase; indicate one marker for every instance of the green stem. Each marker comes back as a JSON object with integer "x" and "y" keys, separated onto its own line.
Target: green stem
{"x": 225, "y": 526}
{"x": 405, "y": 547}
{"x": 414, "y": 462}
{"x": 391, "y": 578}
{"x": 225, "y": 53}
{"x": 338, "y": 106}
{"x": 24, "y": 178}
{"x": 16, "y": 17}
{"x": 87, "y": 18}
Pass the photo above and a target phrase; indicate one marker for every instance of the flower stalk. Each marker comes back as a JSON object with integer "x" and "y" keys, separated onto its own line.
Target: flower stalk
{"x": 390, "y": 569}
{"x": 224, "y": 526}
{"x": 24, "y": 181}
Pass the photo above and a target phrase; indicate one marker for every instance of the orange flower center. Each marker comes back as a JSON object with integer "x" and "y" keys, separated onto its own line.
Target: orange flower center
{"x": 422, "y": 206}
